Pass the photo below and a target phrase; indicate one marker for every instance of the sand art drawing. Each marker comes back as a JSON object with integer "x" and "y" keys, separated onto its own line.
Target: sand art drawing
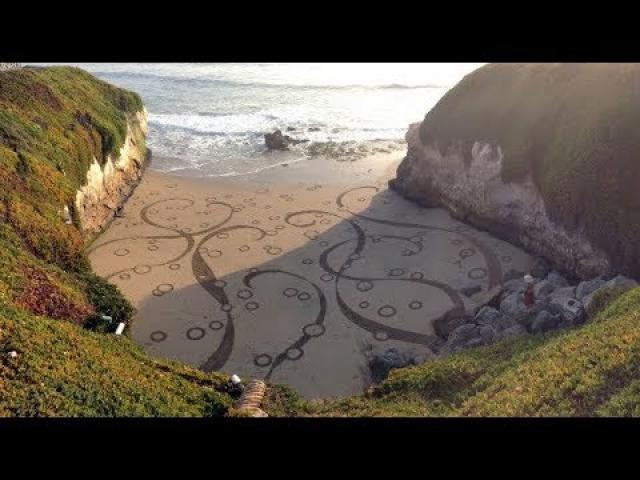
{"x": 252, "y": 282}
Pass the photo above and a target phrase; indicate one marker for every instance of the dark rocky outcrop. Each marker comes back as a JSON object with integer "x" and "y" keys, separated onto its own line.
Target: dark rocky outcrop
{"x": 276, "y": 141}
{"x": 542, "y": 155}
{"x": 557, "y": 305}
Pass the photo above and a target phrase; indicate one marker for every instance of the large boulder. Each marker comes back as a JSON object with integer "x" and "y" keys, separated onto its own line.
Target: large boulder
{"x": 513, "y": 305}
{"x": 465, "y": 336}
{"x": 493, "y": 318}
{"x": 380, "y": 364}
{"x": 564, "y": 292}
{"x": 545, "y": 321}
{"x": 600, "y": 298}
{"x": 276, "y": 141}
{"x": 517, "y": 285}
{"x": 571, "y": 310}
{"x": 589, "y": 286}
{"x": 444, "y": 325}
{"x": 543, "y": 288}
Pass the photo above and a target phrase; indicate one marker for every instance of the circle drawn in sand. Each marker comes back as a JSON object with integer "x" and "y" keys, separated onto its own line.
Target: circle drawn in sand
{"x": 386, "y": 311}
{"x": 307, "y": 261}
{"x": 251, "y": 306}
{"x": 121, "y": 252}
{"x": 364, "y": 304}
{"x": 263, "y": 360}
{"x": 294, "y": 353}
{"x": 165, "y": 288}
{"x": 396, "y": 272}
{"x": 313, "y": 330}
{"x": 216, "y": 325}
{"x": 196, "y": 333}
{"x": 124, "y": 276}
{"x": 381, "y": 336}
{"x": 477, "y": 273}
{"x": 152, "y": 248}
{"x": 158, "y": 336}
{"x": 174, "y": 266}
{"x": 415, "y": 305}
{"x": 271, "y": 250}
{"x": 417, "y": 276}
{"x": 226, "y": 307}
{"x": 223, "y": 235}
{"x": 304, "y": 296}
{"x": 466, "y": 253}
{"x": 244, "y": 294}
{"x": 274, "y": 217}
{"x": 142, "y": 269}
{"x": 364, "y": 286}
{"x": 326, "y": 277}
{"x": 290, "y": 292}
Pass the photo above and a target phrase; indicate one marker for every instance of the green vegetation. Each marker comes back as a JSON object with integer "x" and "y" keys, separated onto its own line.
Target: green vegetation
{"x": 572, "y": 127}
{"x": 53, "y": 122}
{"x": 63, "y": 370}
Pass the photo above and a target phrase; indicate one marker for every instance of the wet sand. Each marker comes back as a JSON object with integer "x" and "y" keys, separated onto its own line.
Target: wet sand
{"x": 295, "y": 274}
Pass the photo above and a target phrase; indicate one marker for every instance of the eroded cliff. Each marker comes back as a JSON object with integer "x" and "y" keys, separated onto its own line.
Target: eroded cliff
{"x": 544, "y": 155}
{"x": 110, "y": 183}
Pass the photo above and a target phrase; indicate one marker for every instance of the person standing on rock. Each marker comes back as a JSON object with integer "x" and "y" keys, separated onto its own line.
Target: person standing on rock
{"x": 529, "y": 296}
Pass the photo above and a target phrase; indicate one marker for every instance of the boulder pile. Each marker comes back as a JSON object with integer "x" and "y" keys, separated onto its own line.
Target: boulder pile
{"x": 557, "y": 304}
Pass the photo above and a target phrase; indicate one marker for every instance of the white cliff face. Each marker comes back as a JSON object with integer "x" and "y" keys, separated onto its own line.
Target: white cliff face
{"x": 474, "y": 191}
{"x": 109, "y": 185}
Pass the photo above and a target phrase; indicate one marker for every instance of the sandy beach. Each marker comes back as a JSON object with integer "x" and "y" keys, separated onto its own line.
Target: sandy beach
{"x": 296, "y": 274}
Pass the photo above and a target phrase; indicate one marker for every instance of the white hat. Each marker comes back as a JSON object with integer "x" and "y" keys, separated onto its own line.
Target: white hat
{"x": 528, "y": 278}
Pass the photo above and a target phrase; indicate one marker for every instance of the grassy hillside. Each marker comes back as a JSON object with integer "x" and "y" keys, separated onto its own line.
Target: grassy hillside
{"x": 53, "y": 122}
{"x": 572, "y": 127}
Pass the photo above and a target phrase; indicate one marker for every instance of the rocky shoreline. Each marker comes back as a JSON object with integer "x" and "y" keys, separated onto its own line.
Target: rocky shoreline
{"x": 346, "y": 151}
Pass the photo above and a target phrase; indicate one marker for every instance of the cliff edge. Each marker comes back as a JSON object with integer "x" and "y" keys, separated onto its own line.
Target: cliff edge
{"x": 544, "y": 155}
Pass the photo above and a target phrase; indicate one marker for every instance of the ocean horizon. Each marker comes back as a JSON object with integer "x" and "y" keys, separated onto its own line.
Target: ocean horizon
{"x": 210, "y": 119}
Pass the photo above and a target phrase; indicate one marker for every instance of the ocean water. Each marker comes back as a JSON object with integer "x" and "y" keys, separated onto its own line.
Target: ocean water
{"x": 209, "y": 119}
